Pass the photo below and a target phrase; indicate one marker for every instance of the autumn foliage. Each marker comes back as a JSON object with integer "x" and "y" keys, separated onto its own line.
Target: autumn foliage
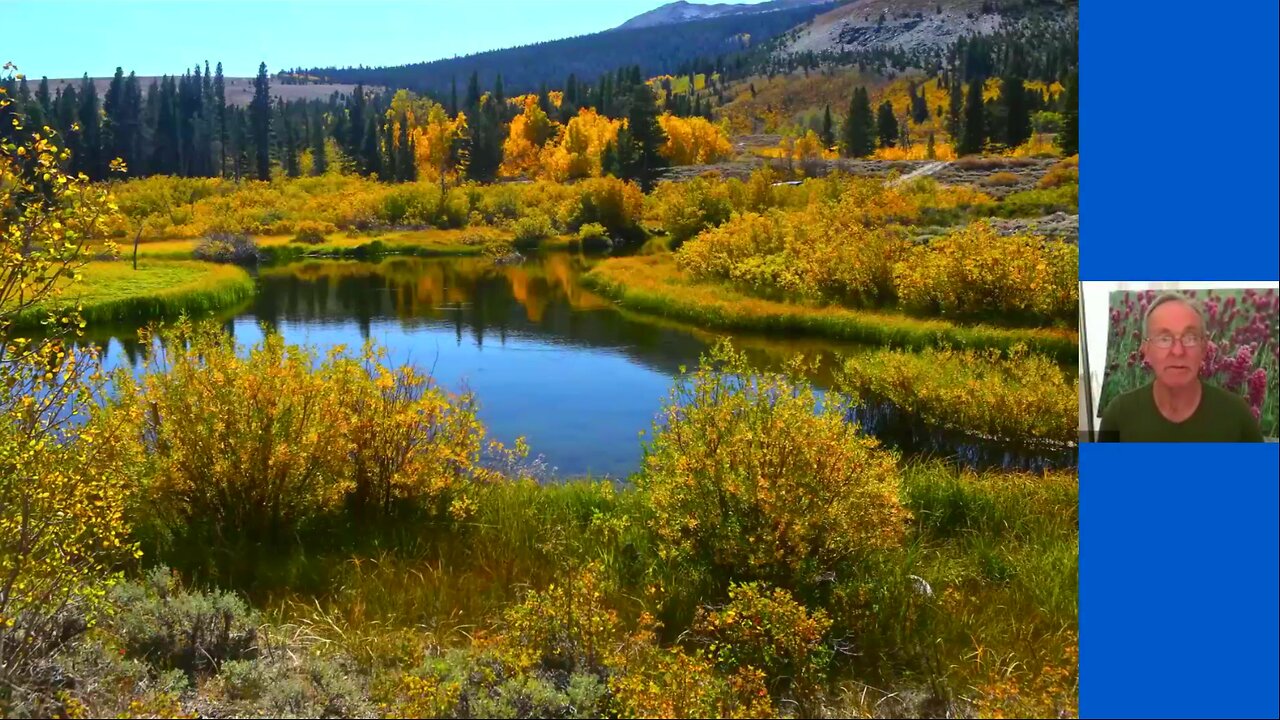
{"x": 693, "y": 141}
{"x": 746, "y": 477}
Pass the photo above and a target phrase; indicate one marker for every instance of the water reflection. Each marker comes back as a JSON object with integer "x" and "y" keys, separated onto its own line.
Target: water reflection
{"x": 547, "y": 358}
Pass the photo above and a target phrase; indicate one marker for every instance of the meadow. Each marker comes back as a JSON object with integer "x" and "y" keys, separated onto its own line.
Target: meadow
{"x": 272, "y": 530}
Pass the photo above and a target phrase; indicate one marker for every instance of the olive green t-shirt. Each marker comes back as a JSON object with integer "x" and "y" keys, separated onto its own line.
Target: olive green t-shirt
{"x": 1221, "y": 417}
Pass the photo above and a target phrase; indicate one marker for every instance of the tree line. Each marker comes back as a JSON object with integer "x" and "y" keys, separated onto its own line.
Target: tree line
{"x": 184, "y": 126}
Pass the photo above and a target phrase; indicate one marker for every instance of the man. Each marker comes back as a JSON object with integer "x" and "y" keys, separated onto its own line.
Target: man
{"x": 1177, "y": 407}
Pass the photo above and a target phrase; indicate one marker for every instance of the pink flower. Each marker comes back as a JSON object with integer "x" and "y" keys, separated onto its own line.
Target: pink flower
{"x": 1257, "y": 412}
{"x": 1257, "y": 387}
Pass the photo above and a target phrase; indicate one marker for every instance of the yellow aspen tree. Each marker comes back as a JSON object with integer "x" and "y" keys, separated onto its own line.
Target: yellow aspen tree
{"x": 693, "y": 141}
{"x": 530, "y": 130}
{"x": 581, "y": 146}
{"x": 436, "y": 145}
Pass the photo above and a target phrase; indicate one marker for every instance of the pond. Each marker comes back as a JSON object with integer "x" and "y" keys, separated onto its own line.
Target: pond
{"x": 547, "y": 359}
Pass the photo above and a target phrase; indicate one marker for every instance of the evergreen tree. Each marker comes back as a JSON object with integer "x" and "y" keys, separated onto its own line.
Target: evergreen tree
{"x": 114, "y": 135}
{"x": 319, "y": 155}
{"x": 453, "y": 96}
{"x": 828, "y": 133}
{"x": 955, "y": 111}
{"x": 571, "y": 89}
{"x": 919, "y": 109}
{"x": 220, "y": 116}
{"x": 90, "y": 132}
{"x": 292, "y": 168}
{"x": 65, "y": 111}
{"x": 373, "y": 158}
{"x": 473, "y": 92}
{"x": 646, "y": 138}
{"x": 260, "y": 123}
{"x": 609, "y": 162}
{"x": 544, "y": 100}
{"x": 930, "y": 151}
{"x": 389, "y": 170}
{"x": 406, "y": 167}
{"x": 44, "y": 98}
{"x": 886, "y": 125}
{"x": 1013, "y": 95}
{"x": 857, "y": 135}
{"x": 162, "y": 158}
{"x": 1069, "y": 138}
{"x": 244, "y": 145}
{"x": 484, "y": 143}
{"x": 974, "y": 134}
{"x": 355, "y": 115}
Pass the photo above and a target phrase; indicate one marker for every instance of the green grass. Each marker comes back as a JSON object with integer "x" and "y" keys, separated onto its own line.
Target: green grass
{"x": 653, "y": 284}
{"x": 111, "y": 292}
{"x": 1023, "y": 398}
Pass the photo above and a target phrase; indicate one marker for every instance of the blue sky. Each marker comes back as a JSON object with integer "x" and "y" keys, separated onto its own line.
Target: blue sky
{"x": 157, "y": 37}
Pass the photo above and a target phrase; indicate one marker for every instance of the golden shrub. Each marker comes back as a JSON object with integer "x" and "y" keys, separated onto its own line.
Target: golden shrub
{"x": 976, "y": 270}
{"x": 745, "y": 477}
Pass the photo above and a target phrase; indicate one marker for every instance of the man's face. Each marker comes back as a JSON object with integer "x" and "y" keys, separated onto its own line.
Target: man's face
{"x": 1178, "y": 364}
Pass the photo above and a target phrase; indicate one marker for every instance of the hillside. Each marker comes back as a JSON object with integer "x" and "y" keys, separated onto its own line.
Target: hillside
{"x": 239, "y": 89}
{"x": 657, "y": 50}
{"x": 911, "y": 24}
{"x": 681, "y": 11}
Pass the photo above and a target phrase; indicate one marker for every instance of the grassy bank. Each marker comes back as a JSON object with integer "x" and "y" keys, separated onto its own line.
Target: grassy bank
{"x": 1018, "y": 398}
{"x": 114, "y": 292}
{"x": 653, "y": 284}
{"x": 277, "y": 247}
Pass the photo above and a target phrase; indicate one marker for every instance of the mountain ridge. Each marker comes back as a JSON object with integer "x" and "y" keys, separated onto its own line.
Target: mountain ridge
{"x": 682, "y": 11}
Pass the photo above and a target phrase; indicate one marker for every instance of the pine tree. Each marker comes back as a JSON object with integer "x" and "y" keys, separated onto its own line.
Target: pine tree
{"x": 930, "y": 151}
{"x": 857, "y": 135}
{"x": 44, "y": 98}
{"x": 220, "y": 116}
{"x": 389, "y": 170}
{"x": 1013, "y": 95}
{"x": 405, "y": 165}
{"x": 114, "y": 135}
{"x": 1069, "y": 138}
{"x": 90, "y": 132}
{"x": 453, "y": 96}
{"x": 886, "y": 125}
{"x": 356, "y": 128}
{"x": 292, "y": 168}
{"x": 485, "y": 143}
{"x": 646, "y": 138}
{"x": 955, "y": 111}
{"x": 974, "y": 134}
{"x": 132, "y": 125}
{"x": 828, "y": 134}
{"x": 319, "y": 155}
{"x": 373, "y": 158}
{"x": 260, "y": 122}
{"x": 609, "y": 162}
{"x": 473, "y": 92}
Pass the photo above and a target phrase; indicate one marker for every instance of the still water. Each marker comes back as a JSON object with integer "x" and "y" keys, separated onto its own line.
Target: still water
{"x": 546, "y": 358}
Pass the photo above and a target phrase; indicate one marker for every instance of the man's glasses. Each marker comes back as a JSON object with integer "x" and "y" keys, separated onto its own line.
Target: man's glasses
{"x": 1188, "y": 340}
